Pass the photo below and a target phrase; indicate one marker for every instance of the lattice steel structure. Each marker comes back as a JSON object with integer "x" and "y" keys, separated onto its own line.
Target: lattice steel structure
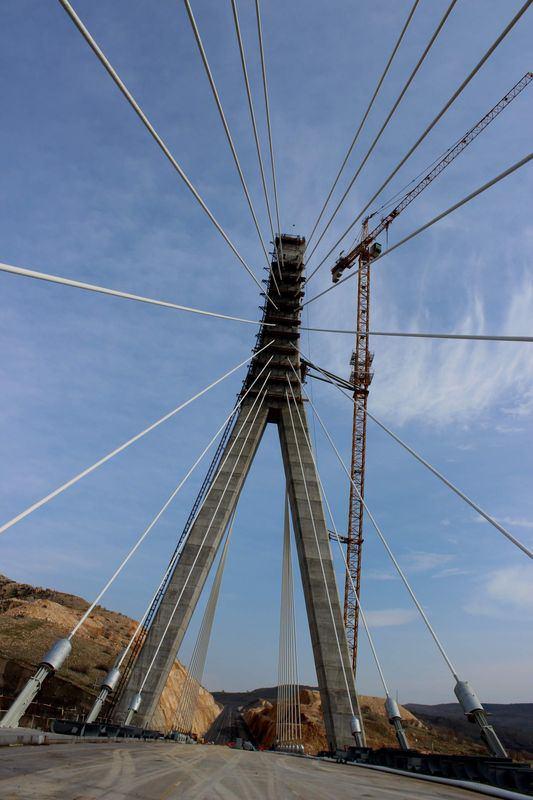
{"x": 361, "y": 377}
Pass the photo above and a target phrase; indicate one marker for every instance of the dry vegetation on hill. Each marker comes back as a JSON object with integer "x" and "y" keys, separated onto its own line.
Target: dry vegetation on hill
{"x": 32, "y": 618}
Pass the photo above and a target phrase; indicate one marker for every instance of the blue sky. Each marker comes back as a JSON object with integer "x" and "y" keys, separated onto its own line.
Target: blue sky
{"x": 86, "y": 194}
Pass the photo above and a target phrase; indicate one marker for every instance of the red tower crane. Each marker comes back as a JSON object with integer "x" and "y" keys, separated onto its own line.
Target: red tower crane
{"x": 361, "y": 376}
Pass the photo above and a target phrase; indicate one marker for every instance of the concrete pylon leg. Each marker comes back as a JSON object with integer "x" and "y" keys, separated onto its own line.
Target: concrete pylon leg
{"x": 278, "y": 345}
{"x": 167, "y": 653}
{"x": 329, "y": 662}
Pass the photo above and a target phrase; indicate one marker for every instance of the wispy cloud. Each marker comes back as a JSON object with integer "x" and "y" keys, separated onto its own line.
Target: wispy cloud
{"x": 452, "y": 382}
{"x": 379, "y": 575}
{"x": 390, "y": 617}
{"x": 505, "y": 429}
{"x": 523, "y": 407}
{"x": 424, "y": 562}
{"x": 458, "y": 382}
{"x": 505, "y": 593}
{"x": 451, "y": 572}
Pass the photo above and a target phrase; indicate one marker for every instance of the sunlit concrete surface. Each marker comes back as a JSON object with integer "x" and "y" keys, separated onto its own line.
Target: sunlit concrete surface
{"x": 168, "y": 771}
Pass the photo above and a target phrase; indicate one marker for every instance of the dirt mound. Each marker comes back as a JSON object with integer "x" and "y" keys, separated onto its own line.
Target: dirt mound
{"x": 261, "y": 719}
{"x": 32, "y": 618}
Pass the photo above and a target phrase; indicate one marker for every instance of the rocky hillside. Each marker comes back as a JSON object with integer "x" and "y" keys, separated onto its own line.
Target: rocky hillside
{"x": 513, "y": 721}
{"x": 260, "y": 716}
{"x": 32, "y": 618}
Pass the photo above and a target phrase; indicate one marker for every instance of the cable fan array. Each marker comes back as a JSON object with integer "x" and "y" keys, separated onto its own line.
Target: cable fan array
{"x": 188, "y": 702}
{"x": 288, "y": 716}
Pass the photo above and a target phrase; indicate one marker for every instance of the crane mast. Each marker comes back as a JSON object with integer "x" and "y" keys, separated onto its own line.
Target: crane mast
{"x": 360, "y": 378}
{"x": 361, "y": 361}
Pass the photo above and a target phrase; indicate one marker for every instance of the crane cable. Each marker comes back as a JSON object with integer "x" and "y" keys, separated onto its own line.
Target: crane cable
{"x": 436, "y": 167}
{"x": 30, "y": 509}
{"x": 225, "y": 125}
{"x": 148, "y": 125}
{"x": 377, "y": 137}
{"x": 432, "y": 124}
{"x": 471, "y": 196}
{"x": 363, "y": 119}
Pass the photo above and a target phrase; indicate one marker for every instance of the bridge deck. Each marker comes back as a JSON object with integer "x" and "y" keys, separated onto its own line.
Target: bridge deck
{"x": 165, "y": 771}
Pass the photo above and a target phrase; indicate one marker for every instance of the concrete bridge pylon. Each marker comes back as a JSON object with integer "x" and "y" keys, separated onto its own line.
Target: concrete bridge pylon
{"x": 281, "y": 324}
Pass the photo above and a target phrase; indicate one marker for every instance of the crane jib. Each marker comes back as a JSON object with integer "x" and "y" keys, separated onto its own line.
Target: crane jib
{"x": 364, "y": 247}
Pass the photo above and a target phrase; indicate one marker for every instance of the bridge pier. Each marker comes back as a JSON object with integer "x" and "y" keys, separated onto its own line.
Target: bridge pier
{"x": 280, "y": 328}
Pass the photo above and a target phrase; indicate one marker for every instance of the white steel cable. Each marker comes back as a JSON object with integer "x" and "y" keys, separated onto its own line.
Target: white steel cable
{"x": 267, "y": 111}
{"x": 224, "y": 121}
{"x": 280, "y": 676}
{"x": 388, "y": 118}
{"x": 333, "y": 621}
{"x": 289, "y": 636}
{"x": 177, "y": 554}
{"x": 280, "y": 710}
{"x": 341, "y": 551}
{"x": 148, "y": 125}
{"x": 297, "y": 721}
{"x": 387, "y": 548}
{"x": 186, "y": 699}
{"x": 288, "y": 677}
{"x": 162, "y": 637}
{"x": 91, "y": 287}
{"x": 288, "y": 708}
{"x": 290, "y": 644}
{"x": 451, "y": 485}
{"x": 154, "y": 521}
{"x": 252, "y": 115}
{"x": 364, "y": 117}
{"x": 471, "y": 196}
{"x": 438, "y": 474}
{"x": 475, "y": 337}
{"x": 189, "y": 697}
{"x": 283, "y": 678}
{"x": 402, "y": 190}
{"x": 285, "y": 709}
{"x": 432, "y": 124}
{"x": 197, "y": 662}
{"x": 205, "y": 536}
{"x": 122, "y": 447}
